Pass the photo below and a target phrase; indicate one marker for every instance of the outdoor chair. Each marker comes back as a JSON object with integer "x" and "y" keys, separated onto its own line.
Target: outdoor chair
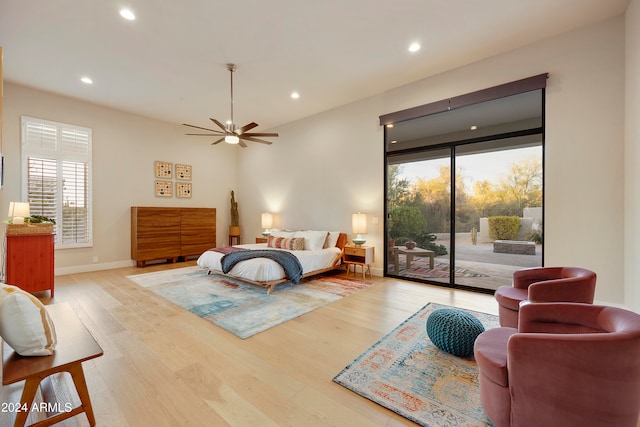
{"x": 544, "y": 284}
{"x": 566, "y": 364}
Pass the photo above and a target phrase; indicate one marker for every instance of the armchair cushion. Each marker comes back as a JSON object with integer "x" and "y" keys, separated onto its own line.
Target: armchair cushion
{"x": 490, "y": 352}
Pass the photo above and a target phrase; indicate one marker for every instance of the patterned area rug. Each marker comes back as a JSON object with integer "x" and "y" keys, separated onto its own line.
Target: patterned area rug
{"x": 406, "y": 373}
{"x": 420, "y": 270}
{"x": 242, "y": 308}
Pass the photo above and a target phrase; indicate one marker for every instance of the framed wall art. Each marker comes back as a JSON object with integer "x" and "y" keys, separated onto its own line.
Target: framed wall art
{"x": 183, "y": 172}
{"x": 183, "y": 189}
{"x": 164, "y": 189}
{"x": 164, "y": 170}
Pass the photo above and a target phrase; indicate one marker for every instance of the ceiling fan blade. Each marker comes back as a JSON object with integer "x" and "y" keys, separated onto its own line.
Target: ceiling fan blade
{"x": 242, "y": 144}
{"x": 205, "y": 134}
{"x": 218, "y": 141}
{"x": 261, "y": 134}
{"x": 245, "y": 128}
{"x": 223, "y": 127}
{"x": 261, "y": 141}
{"x": 198, "y": 127}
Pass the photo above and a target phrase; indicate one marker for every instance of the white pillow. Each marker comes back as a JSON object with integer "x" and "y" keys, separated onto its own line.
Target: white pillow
{"x": 313, "y": 240}
{"x": 25, "y": 323}
{"x": 282, "y": 233}
{"x": 332, "y": 239}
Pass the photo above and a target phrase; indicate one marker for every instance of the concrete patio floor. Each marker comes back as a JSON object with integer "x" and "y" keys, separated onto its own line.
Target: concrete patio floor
{"x": 497, "y": 268}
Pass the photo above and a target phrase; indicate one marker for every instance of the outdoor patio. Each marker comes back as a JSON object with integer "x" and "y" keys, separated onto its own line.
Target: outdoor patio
{"x": 476, "y": 265}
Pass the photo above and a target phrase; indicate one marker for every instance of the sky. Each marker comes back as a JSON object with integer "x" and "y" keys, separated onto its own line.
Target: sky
{"x": 477, "y": 167}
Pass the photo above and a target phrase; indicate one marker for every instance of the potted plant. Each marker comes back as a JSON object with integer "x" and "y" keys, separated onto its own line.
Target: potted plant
{"x": 234, "y": 227}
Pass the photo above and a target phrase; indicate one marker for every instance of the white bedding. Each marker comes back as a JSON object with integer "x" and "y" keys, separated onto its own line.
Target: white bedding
{"x": 264, "y": 269}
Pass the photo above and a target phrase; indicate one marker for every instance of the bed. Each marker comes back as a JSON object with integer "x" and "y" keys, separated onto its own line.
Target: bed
{"x": 316, "y": 252}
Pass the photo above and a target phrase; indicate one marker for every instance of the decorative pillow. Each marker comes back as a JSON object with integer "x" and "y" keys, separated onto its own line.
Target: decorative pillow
{"x": 24, "y": 323}
{"x": 332, "y": 239}
{"x": 313, "y": 240}
{"x": 290, "y": 243}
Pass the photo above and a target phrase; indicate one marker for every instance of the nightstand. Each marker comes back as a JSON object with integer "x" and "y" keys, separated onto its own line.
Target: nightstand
{"x": 358, "y": 255}
{"x": 30, "y": 262}
{"x": 261, "y": 239}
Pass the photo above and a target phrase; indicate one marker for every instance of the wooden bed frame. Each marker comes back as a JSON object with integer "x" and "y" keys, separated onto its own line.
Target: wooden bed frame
{"x": 342, "y": 241}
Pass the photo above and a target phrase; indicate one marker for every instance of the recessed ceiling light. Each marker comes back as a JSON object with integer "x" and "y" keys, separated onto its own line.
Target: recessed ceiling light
{"x": 86, "y": 80}
{"x": 473, "y": 127}
{"x": 414, "y": 47}
{"x": 295, "y": 95}
{"x": 390, "y": 125}
{"x": 127, "y": 14}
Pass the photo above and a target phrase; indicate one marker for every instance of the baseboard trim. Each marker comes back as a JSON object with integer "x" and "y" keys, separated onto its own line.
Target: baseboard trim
{"x": 93, "y": 267}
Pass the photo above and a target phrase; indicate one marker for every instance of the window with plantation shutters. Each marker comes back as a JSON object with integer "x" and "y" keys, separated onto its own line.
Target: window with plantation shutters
{"x": 57, "y": 178}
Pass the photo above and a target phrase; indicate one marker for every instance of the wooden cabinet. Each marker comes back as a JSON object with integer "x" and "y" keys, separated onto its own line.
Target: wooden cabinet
{"x": 171, "y": 233}
{"x": 358, "y": 255}
{"x": 197, "y": 231}
{"x": 30, "y": 262}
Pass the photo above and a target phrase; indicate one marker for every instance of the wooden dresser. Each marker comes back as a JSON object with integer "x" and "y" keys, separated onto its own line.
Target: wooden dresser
{"x": 171, "y": 233}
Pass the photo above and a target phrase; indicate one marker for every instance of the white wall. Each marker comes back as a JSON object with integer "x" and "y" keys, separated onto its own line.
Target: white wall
{"x": 328, "y": 166}
{"x": 125, "y": 147}
{"x": 324, "y": 168}
{"x": 632, "y": 157}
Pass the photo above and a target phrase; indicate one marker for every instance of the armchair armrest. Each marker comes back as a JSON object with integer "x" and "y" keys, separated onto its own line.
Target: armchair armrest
{"x": 560, "y": 318}
{"x": 572, "y": 288}
{"x": 523, "y": 278}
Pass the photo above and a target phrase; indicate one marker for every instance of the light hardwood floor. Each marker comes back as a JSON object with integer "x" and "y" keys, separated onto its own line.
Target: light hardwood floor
{"x": 163, "y": 366}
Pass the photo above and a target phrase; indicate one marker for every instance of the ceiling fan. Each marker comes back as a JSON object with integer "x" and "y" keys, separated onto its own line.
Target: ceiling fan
{"x": 229, "y": 133}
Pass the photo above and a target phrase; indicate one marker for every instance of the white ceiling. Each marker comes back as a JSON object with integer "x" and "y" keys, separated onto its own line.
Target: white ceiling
{"x": 169, "y": 63}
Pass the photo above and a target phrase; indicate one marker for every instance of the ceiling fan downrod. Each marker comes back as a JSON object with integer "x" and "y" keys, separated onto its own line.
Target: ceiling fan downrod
{"x": 231, "y": 68}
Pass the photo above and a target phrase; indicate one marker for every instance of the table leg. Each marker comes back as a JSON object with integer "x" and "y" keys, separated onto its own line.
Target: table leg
{"x": 396, "y": 261}
{"x": 431, "y": 262}
{"x": 409, "y": 259}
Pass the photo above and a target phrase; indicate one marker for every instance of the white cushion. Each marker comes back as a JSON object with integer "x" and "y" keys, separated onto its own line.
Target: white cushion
{"x": 282, "y": 233}
{"x": 332, "y": 239}
{"x": 25, "y": 323}
{"x": 313, "y": 240}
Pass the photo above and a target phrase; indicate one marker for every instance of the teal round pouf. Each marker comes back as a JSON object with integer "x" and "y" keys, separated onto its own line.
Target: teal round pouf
{"x": 453, "y": 331}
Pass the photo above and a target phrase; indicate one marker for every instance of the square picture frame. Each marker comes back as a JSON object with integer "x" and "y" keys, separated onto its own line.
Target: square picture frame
{"x": 164, "y": 189}
{"x": 183, "y": 172}
{"x": 183, "y": 190}
{"x": 164, "y": 170}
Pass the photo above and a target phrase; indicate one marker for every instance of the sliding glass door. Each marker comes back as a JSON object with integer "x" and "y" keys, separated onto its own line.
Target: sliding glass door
{"x": 465, "y": 201}
{"x": 419, "y": 214}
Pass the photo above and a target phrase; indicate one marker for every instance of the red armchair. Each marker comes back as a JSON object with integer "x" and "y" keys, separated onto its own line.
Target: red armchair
{"x": 566, "y": 365}
{"x": 544, "y": 284}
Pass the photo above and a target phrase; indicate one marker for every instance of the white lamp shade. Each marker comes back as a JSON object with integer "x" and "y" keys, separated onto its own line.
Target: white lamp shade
{"x": 359, "y": 223}
{"x": 18, "y": 211}
{"x": 267, "y": 220}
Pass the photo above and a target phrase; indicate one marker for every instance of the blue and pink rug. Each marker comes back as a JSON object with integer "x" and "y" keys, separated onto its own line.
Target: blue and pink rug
{"x": 242, "y": 308}
{"x": 406, "y": 373}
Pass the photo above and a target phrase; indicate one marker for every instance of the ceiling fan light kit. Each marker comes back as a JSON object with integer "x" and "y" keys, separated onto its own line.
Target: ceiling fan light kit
{"x": 229, "y": 133}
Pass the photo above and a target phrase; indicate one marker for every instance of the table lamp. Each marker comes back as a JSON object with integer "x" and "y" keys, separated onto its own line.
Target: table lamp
{"x": 267, "y": 223}
{"x": 359, "y": 227}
